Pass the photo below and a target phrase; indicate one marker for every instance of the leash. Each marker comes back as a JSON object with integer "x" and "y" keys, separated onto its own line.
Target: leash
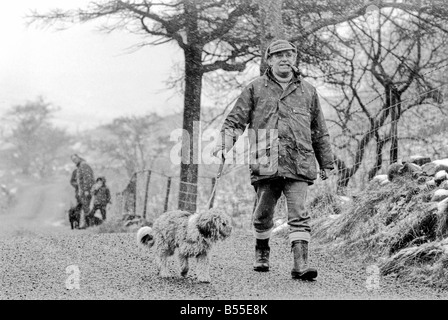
{"x": 218, "y": 176}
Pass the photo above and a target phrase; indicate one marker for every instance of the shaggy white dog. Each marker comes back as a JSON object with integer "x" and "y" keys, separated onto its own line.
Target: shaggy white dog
{"x": 191, "y": 234}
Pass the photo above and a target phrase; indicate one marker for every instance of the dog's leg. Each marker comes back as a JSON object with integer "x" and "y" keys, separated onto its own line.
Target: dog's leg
{"x": 162, "y": 257}
{"x": 158, "y": 263}
{"x": 203, "y": 268}
{"x": 164, "y": 272}
{"x": 183, "y": 261}
{"x": 157, "y": 254}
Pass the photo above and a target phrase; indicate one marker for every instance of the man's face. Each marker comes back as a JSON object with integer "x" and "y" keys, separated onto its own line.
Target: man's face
{"x": 282, "y": 61}
{"x": 75, "y": 159}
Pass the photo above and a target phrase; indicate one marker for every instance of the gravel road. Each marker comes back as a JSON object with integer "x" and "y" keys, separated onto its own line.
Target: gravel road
{"x": 34, "y": 259}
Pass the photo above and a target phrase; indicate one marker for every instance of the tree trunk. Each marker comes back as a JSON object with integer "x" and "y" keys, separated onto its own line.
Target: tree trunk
{"x": 395, "y": 116}
{"x": 393, "y": 154}
{"x": 271, "y": 25}
{"x": 344, "y": 175}
{"x": 192, "y": 110}
{"x": 192, "y": 114}
{"x": 379, "y": 157}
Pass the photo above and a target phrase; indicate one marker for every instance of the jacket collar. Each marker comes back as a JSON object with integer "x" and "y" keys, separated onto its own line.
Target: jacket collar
{"x": 295, "y": 75}
{"x": 296, "y": 78}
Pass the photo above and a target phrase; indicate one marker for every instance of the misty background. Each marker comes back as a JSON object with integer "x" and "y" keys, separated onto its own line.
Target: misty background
{"x": 92, "y": 76}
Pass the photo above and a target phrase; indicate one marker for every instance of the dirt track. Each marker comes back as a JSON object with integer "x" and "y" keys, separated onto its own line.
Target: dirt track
{"x": 34, "y": 258}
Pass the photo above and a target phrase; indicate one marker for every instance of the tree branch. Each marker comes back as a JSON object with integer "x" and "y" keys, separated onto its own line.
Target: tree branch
{"x": 408, "y": 7}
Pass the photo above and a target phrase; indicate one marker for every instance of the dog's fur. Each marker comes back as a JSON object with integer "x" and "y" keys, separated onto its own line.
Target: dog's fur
{"x": 74, "y": 216}
{"x": 191, "y": 234}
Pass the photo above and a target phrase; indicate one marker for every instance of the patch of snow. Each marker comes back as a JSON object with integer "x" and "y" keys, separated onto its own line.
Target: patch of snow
{"x": 440, "y": 176}
{"x": 440, "y": 195}
{"x": 431, "y": 184}
{"x": 443, "y": 162}
{"x": 442, "y": 206}
{"x": 380, "y": 178}
{"x": 345, "y": 199}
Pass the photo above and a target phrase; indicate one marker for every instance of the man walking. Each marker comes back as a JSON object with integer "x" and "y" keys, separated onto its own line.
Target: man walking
{"x": 84, "y": 183}
{"x": 287, "y": 133}
{"x": 74, "y": 184}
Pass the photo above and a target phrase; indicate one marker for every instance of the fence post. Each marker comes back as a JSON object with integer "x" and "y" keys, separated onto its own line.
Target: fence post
{"x": 133, "y": 188}
{"x": 168, "y": 188}
{"x": 118, "y": 204}
{"x": 213, "y": 195}
{"x": 146, "y": 193}
{"x": 255, "y": 202}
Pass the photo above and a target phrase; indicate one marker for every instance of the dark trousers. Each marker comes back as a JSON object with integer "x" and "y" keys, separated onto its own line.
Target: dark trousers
{"x": 268, "y": 193}
{"x": 85, "y": 202}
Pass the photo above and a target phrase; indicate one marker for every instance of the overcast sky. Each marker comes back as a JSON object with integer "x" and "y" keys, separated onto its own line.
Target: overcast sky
{"x": 89, "y": 74}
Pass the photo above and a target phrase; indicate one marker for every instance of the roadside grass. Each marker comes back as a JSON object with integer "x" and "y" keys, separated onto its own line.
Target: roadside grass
{"x": 393, "y": 225}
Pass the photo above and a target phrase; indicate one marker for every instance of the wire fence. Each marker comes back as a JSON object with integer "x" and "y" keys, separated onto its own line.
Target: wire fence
{"x": 391, "y": 136}
{"x": 149, "y": 193}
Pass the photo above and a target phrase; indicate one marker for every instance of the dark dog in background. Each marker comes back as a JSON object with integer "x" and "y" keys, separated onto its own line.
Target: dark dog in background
{"x": 74, "y": 215}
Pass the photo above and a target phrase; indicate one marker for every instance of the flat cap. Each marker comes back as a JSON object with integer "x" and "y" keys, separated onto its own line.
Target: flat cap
{"x": 279, "y": 45}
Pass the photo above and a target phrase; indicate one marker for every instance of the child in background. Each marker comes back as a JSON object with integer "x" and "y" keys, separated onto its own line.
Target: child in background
{"x": 101, "y": 197}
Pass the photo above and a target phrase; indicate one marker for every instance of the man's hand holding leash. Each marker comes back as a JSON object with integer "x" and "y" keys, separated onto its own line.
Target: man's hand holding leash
{"x": 325, "y": 173}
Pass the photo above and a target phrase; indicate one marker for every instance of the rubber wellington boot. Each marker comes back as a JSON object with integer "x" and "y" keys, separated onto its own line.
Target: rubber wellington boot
{"x": 262, "y": 256}
{"x": 301, "y": 269}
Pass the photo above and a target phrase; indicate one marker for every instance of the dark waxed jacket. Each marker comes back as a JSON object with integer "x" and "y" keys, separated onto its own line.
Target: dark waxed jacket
{"x": 84, "y": 178}
{"x": 295, "y": 131}
{"x": 102, "y": 195}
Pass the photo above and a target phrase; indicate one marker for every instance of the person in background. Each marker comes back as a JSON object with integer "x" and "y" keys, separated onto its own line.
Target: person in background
{"x": 74, "y": 184}
{"x": 101, "y": 198}
{"x": 84, "y": 183}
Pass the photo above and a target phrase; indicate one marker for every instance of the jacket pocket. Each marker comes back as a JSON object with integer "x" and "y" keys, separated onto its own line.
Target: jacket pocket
{"x": 301, "y": 110}
{"x": 266, "y": 164}
{"x": 306, "y": 164}
{"x": 300, "y": 122}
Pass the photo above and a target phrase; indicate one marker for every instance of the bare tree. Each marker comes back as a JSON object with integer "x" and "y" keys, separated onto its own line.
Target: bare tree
{"x": 392, "y": 59}
{"x": 133, "y": 142}
{"x": 37, "y": 142}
